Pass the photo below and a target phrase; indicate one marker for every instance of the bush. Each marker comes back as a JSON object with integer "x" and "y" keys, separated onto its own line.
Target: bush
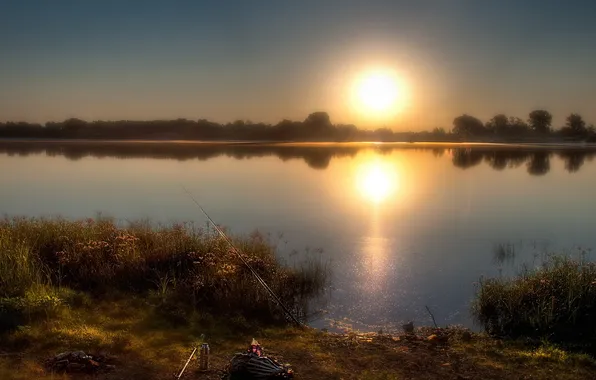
{"x": 179, "y": 263}
{"x": 556, "y": 302}
{"x": 35, "y": 303}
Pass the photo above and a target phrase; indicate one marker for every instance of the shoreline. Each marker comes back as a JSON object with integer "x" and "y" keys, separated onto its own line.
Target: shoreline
{"x": 118, "y": 329}
{"x": 317, "y": 144}
{"x": 102, "y": 296}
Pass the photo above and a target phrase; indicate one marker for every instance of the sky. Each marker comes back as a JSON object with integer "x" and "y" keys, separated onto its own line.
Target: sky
{"x": 271, "y": 60}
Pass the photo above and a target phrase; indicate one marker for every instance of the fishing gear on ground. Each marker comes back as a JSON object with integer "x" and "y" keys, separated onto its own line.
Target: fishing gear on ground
{"x": 254, "y": 365}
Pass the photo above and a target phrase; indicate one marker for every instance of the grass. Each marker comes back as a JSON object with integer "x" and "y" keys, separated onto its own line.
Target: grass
{"x": 183, "y": 267}
{"x": 148, "y": 346}
{"x": 146, "y": 293}
{"x": 556, "y": 302}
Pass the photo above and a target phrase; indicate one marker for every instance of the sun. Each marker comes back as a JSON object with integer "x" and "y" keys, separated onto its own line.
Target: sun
{"x": 379, "y": 92}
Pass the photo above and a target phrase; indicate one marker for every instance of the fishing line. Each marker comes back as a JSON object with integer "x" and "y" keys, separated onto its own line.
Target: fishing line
{"x": 250, "y": 268}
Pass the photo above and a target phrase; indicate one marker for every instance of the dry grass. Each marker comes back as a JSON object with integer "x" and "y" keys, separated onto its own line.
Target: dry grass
{"x": 187, "y": 268}
{"x": 145, "y": 294}
{"x": 148, "y": 347}
{"x": 556, "y": 302}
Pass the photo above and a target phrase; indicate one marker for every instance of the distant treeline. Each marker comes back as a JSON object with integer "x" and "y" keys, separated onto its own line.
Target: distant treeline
{"x": 537, "y": 160}
{"x": 316, "y": 127}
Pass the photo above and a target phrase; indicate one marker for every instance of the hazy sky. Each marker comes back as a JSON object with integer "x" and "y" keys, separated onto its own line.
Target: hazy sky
{"x": 268, "y": 60}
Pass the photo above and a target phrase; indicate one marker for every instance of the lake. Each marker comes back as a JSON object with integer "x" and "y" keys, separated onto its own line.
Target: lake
{"x": 403, "y": 226}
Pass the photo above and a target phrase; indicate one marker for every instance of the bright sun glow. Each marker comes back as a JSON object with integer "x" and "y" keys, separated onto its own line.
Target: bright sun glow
{"x": 376, "y": 181}
{"x": 379, "y": 92}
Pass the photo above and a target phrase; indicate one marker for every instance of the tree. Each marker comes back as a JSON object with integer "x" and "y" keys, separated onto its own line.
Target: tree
{"x": 318, "y": 119}
{"x": 317, "y": 126}
{"x": 540, "y": 121}
{"x": 499, "y": 124}
{"x": 439, "y": 132}
{"x": 466, "y": 125}
{"x": 517, "y": 126}
{"x": 383, "y": 134}
{"x": 576, "y": 124}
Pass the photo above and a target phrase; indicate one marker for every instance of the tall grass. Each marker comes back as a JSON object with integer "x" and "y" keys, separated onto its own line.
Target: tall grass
{"x": 181, "y": 265}
{"x": 556, "y": 302}
{"x": 19, "y": 268}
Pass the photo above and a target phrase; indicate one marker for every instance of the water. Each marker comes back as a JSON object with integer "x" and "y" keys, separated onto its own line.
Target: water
{"x": 403, "y": 225}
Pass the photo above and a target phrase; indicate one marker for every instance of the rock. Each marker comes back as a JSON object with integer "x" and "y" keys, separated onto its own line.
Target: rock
{"x": 75, "y": 361}
{"x": 466, "y": 336}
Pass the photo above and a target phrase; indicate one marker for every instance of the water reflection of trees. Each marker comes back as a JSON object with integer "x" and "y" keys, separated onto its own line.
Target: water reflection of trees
{"x": 316, "y": 157}
{"x": 537, "y": 160}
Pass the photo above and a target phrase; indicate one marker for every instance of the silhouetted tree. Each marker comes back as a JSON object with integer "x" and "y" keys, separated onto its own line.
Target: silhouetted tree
{"x": 540, "y": 121}
{"x": 517, "y": 126}
{"x": 498, "y": 125}
{"x": 576, "y": 125}
{"x": 320, "y": 119}
{"x": 383, "y": 134}
{"x": 316, "y": 127}
{"x": 466, "y": 126}
{"x": 346, "y": 133}
{"x": 73, "y": 126}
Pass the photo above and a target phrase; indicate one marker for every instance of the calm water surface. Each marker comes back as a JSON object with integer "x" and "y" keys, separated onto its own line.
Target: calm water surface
{"x": 401, "y": 227}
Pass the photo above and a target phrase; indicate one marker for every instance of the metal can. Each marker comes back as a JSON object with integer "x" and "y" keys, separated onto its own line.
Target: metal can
{"x": 204, "y": 357}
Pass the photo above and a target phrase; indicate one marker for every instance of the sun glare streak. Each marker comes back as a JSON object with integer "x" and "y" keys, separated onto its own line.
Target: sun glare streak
{"x": 376, "y": 180}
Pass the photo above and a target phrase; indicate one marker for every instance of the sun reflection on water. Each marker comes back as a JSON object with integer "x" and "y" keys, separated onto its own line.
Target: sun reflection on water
{"x": 376, "y": 180}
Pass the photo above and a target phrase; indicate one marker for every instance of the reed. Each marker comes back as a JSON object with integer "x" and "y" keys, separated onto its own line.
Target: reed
{"x": 181, "y": 265}
{"x": 556, "y": 302}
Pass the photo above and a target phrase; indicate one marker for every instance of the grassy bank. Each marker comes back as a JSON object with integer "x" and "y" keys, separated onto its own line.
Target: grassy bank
{"x": 187, "y": 270}
{"x": 146, "y": 346}
{"x": 556, "y": 302}
{"x": 145, "y": 294}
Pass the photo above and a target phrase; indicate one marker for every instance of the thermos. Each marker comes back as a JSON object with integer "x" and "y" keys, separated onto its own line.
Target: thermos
{"x": 204, "y": 357}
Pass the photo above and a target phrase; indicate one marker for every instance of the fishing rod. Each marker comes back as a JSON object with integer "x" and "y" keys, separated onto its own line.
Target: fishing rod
{"x": 250, "y": 268}
{"x": 186, "y": 364}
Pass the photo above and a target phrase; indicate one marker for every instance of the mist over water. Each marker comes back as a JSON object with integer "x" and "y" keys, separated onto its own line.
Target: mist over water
{"x": 403, "y": 225}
